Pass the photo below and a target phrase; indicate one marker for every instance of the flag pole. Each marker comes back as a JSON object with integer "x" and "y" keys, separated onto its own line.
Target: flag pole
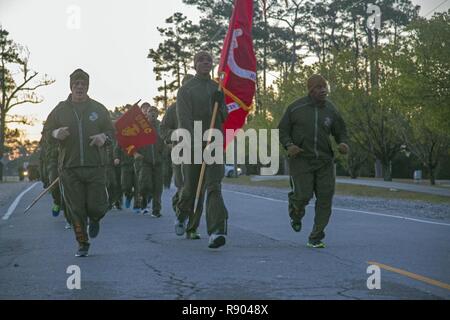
{"x": 41, "y": 195}
{"x": 198, "y": 198}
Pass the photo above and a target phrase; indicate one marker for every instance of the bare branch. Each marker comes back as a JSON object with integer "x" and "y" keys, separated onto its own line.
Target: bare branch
{"x": 20, "y": 119}
{"x": 25, "y": 101}
{"x": 19, "y": 88}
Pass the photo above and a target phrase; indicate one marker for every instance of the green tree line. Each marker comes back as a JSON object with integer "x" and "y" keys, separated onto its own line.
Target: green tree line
{"x": 389, "y": 74}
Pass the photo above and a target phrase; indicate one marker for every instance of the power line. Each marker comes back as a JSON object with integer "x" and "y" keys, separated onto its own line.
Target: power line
{"x": 353, "y": 5}
{"x": 436, "y": 7}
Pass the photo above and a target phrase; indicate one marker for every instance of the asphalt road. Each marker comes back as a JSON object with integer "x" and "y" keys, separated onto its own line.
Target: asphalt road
{"x": 140, "y": 257}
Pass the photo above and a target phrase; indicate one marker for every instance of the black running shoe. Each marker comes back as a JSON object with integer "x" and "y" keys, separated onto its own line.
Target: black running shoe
{"x": 296, "y": 225}
{"x": 216, "y": 241}
{"x": 83, "y": 250}
{"x": 94, "y": 228}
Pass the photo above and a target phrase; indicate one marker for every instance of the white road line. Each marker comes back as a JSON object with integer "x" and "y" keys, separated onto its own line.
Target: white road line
{"x": 348, "y": 210}
{"x": 255, "y": 196}
{"x": 13, "y": 205}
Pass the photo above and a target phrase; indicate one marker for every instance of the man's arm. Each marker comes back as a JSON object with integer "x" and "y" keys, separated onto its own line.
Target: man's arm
{"x": 223, "y": 112}
{"x": 50, "y": 125}
{"x": 184, "y": 111}
{"x": 169, "y": 123}
{"x": 107, "y": 126}
{"x": 339, "y": 132}
{"x": 284, "y": 128}
{"x": 339, "y": 129}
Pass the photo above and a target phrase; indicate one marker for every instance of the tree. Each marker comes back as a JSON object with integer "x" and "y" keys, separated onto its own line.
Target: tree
{"x": 17, "y": 146}
{"x": 422, "y": 87}
{"x": 174, "y": 55}
{"x": 15, "y": 90}
{"x": 296, "y": 14}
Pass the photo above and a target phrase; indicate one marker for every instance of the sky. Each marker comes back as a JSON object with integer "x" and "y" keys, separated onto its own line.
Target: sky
{"x": 109, "y": 39}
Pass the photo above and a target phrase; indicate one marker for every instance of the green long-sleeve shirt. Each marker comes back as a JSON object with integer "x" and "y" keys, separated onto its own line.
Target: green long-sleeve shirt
{"x": 309, "y": 126}
{"x": 194, "y": 103}
{"x": 83, "y": 120}
{"x": 169, "y": 123}
{"x": 153, "y": 153}
{"x": 125, "y": 160}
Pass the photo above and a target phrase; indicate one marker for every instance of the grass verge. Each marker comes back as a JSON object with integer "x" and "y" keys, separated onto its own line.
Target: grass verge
{"x": 349, "y": 190}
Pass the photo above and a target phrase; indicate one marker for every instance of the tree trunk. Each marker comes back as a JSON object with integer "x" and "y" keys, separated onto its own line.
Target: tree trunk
{"x": 2, "y": 142}
{"x": 353, "y": 173}
{"x": 265, "y": 51}
{"x": 387, "y": 174}
{"x": 257, "y": 95}
{"x": 378, "y": 169}
{"x": 354, "y": 170}
{"x": 293, "y": 57}
{"x": 432, "y": 175}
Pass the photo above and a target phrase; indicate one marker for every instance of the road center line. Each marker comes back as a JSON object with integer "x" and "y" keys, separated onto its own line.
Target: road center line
{"x": 13, "y": 205}
{"x": 412, "y": 275}
{"x": 348, "y": 210}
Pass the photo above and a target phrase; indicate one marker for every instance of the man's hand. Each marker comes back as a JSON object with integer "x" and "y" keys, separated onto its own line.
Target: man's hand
{"x": 294, "y": 150}
{"x": 343, "y": 148}
{"x": 116, "y": 162}
{"x": 61, "y": 133}
{"x": 137, "y": 155}
{"x": 98, "y": 140}
{"x": 218, "y": 97}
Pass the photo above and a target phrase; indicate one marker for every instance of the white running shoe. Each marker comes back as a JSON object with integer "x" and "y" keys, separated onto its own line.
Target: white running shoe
{"x": 216, "y": 241}
{"x": 180, "y": 227}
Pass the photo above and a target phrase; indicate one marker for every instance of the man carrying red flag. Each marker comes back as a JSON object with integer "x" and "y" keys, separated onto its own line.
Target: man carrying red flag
{"x": 195, "y": 101}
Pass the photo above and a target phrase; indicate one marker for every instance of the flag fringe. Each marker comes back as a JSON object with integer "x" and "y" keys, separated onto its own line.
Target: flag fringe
{"x": 236, "y": 99}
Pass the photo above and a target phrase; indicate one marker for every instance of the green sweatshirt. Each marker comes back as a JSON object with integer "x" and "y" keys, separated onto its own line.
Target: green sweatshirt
{"x": 194, "y": 103}
{"x": 153, "y": 153}
{"x": 125, "y": 160}
{"x": 169, "y": 123}
{"x": 83, "y": 120}
{"x": 309, "y": 126}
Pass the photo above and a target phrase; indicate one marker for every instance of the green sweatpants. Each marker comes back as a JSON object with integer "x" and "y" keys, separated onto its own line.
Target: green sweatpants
{"x": 127, "y": 177}
{"x": 55, "y": 191}
{"x": 85, "y": 196}
{"x": 151, "y": 185}
{"x": 112, "y": 185}
{"x": 312, "y": 177}
{"x": 216, "y": 212}
{"x": 178, "y": 180}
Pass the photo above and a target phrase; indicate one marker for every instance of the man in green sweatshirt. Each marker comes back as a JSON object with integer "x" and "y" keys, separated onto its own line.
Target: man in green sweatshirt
{"x": 169, "y": 124}
{"x": 81, "y": 126}
{"x": 305, "y": 130}
{"x": 127, "y": 174}
{"x": 112, "y": 184}
{"x": 195, "y": 101}
{"x": 149, "y": 159}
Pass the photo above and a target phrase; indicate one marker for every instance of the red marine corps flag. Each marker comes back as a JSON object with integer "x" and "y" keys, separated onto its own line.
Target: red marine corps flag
{"x": 238, "y": 63}
{"x": 133, "y": 130}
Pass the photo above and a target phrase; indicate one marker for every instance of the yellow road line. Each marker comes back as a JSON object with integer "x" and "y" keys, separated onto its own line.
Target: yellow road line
{"x": 412, "y": 275}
